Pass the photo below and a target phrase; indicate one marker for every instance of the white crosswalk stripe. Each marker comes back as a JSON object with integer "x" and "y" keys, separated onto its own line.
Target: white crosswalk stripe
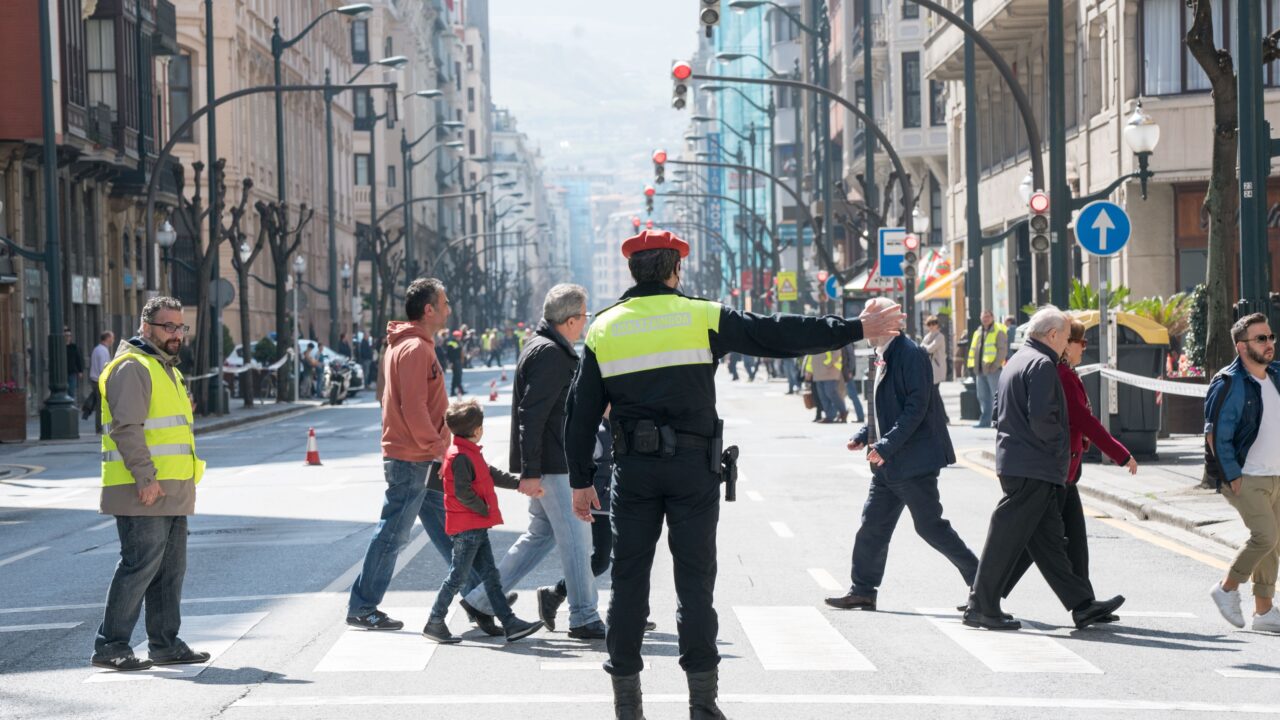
{"x": 798, "y": 638}
{"x": 382, "y": 651}
{"x": 1024, "y": 651}
{"x": 214, "y": 634}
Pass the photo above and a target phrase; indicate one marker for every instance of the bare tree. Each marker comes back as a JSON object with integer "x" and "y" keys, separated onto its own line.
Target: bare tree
{"x": 283, "y": 240}
{"x": 388, "y": 262}
{"x": 237, "y": 237}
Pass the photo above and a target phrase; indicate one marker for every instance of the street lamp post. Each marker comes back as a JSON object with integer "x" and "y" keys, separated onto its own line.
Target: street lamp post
{"x": 407, "y": 163}
{"x": 299, "y": 267}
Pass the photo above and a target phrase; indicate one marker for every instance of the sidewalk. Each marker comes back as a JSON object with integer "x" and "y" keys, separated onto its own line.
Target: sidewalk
{"x": 1166, "y": 491}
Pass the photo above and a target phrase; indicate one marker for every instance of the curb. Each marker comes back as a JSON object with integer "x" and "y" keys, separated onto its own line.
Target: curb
{"x": 228, "y": 423}
{"x": 1143, "y": 507}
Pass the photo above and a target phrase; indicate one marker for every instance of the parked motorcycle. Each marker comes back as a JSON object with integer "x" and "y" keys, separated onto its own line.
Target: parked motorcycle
{"x": 337, "y": 380}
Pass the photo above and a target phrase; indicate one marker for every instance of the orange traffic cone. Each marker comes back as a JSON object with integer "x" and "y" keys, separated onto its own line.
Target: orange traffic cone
{"x": 504, "y": 376}
{"x": 313, "y": 450}
{"x": 493, "y": 391}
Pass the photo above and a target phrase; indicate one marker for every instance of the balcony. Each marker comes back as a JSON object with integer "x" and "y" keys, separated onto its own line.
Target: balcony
{"x": 165, "y": 39}
{"x": 1006, "y": 23}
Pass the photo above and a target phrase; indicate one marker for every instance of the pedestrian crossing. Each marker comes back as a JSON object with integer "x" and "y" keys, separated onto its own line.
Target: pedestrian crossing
{"x": 214, "y": 634}
{"x": 1024, "y": 651}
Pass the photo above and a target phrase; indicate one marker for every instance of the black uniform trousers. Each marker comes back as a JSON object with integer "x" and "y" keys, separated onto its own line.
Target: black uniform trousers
{"x": 683, "y": 491}
{"x": 1077, "y": 541}
{"x": 1028, "y": 518}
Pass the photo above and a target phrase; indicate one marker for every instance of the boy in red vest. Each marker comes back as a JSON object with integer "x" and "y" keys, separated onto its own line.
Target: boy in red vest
{"x": 471, "y": 508}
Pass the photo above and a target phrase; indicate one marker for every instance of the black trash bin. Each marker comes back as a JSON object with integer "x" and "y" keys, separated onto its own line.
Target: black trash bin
{"x": 969, "y": 407}
{"x": 1141, "y": 345}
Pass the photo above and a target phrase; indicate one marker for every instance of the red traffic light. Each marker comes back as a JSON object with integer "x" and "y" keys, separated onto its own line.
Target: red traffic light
{"x": 649, "y": 191}
{"x": 822, "y": 276}
{"x": 648, "y": 224}
{"x": 681, "y": 70}
{"x": 660, "y": 156}
{"x": 735, "y": 292}
{"x": 1039, "y": 203}
{"x": 635, "y": 222}
{"x": 911, "y": 242}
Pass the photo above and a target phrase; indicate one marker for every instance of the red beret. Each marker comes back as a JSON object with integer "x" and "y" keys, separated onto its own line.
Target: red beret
{"x": 654, "y": 240}
{"x": 457, "y": 333}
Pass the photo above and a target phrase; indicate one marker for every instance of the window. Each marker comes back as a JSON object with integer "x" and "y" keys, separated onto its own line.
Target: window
{"x": 1168, "y": 67}
{"x": 471, "y": 141}
{"x": 471, "y": 57}
{"x": 937, "y": 104}
{"x": 102, "y": 63}
{"x": 391, "y": 176}
{"x": 911, "y": 90}
{"x": 362, "y": 170}
{"x": 362, "y": 106}
{"x": 180, "y": 93}
{"x": 457, "y": 76}
{"x": 388, "y": 48}
{"x": 360, "y": 41}
{"x": 471, "y": 99}
{"x": 910, "y": 10}
{"x": 935, "y": 210}
{"x": 784, "y": 29}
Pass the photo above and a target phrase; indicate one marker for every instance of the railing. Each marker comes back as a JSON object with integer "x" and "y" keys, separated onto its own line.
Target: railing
{"x": 362, "y": 195}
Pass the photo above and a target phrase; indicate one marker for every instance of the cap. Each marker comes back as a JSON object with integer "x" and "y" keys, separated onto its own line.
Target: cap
{"x": 654, "y": 240}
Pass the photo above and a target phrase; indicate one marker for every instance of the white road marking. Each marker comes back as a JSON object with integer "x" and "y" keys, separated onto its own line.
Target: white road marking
{"x": 798, "y": 638}
{"x": 382, "y": 651}
{"x": 578, "y": 665}
{"x": 824, "y": 579}
{"x": 754, "y": 496}
{"x": 45, "y": 626}
{"x": 216, "y": 544}
{"x": 185, "y": 601}
{"x": 1022, "y": 651}
{"x": 214, "y": 634}
{"x": 1250, "y": 674}
{"x": 22, "y": 555}
{"x": 781, "y": 529}
{"x": 102, "y": 525}
{"x": 41, "y": 499}
{"x": 1159, "y": 614}
{"x": 576, "y": 699}
{"x": 343, "y": 581}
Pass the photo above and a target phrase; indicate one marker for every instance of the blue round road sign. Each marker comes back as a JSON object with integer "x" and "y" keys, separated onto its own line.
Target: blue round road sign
{"x": 832, "y": 287}
{"x": 1103, "y": 228}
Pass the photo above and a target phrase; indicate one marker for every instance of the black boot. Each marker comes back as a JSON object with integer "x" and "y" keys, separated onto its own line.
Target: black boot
{"x": 702, "y": 696}
{"x": 626, "y": 697}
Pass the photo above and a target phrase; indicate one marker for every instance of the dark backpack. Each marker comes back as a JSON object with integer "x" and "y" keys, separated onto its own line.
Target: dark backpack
{"x": 1213, "y": 472}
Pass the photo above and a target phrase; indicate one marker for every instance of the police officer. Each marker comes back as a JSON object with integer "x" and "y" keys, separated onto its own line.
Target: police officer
{"x": 653, "y": 356}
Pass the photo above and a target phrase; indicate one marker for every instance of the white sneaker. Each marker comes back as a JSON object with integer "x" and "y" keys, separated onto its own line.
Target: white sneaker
{"x": 1228, "y": 604}
{"x": 1268, "y": 621}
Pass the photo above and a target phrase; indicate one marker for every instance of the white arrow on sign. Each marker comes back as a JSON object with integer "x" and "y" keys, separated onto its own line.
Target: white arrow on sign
{"x": 1102, "y": 224}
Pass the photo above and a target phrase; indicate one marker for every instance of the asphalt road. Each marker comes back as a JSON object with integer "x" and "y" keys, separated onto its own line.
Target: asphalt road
{"x": 276, "y": 543}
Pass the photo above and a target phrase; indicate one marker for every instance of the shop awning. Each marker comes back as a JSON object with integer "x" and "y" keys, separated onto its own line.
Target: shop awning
{"x": 940, "y": 288}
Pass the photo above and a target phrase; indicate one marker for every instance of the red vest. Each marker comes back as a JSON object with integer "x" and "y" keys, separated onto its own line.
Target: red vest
{"x": 458, "y": 517}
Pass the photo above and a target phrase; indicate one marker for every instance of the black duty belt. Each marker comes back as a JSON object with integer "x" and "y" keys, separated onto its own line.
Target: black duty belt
{"x": 648, "y": 438}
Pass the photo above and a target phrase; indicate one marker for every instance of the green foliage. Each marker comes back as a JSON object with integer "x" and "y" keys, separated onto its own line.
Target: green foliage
{"x": 1197, "y": 326}
{"x": 264, "y": 351}
{"x": 946, "y": 310}
{"x": 228, "y": 344}
{"x": 1174, "y": 312}
{"x": 1084, "y": 298}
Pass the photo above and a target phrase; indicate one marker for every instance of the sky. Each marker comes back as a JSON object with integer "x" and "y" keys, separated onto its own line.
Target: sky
{"x": 588, "y": 80}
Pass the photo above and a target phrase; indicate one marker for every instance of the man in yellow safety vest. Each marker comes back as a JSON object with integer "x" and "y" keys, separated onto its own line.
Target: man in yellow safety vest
{"x": 988, "y": 348}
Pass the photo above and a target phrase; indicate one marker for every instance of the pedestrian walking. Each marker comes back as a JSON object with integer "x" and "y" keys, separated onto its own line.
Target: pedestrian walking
{"x": 1033, "y": 457}
{"x": 791, "y": 369}
{"x": 907, "y": 445}
{"x": 453, "y": 351}
{"x": 1085, "y": 428}
{"x": 935, "y": 343}
{"x": 1243, "y": 410}
{"x": 733, "y": 366}
{"x": 344, "y": 347}
{"x": 988, "y": 348}
{"x": 414, "y": 440}
{"x": 98, "y": 359}
{"x": 150, "y": 470}
{"x": 652, "y": 358}
{"x": 849, "y": 371}
{"x": 364, "y": 352}
{"x": 826, "y": 370}
{"x": 75, "y": 365}
{"x": 543, "y": 374}
{"x": 471, "y": 508}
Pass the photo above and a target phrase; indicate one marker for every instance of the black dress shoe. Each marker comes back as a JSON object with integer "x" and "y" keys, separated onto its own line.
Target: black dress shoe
{"x": 650, "y": 626}
{"x": 438, "y": 631}
{"x": 965, "y": 609}
{"x": 186, "y": 657}
{"x": 549, "y": 601}
{"x": 1110, "y": 619}
{"x": 1096, "y": 611}
{"x": 124, "y": 663}
{"x": 852, "y": 602}
{"x": 376, "y": 620}
{"x": 988, "y": 622}
{"x": 591, "y": 631}
{"x": 486, "y": 622}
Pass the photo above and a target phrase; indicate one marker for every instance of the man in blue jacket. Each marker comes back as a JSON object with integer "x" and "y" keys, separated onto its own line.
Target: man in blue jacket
{"x": 1243, "y": 406}
{"x": 906, "y": 433}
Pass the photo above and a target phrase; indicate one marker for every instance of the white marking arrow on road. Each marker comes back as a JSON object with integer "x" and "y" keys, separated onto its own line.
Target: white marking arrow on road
{"x": 1102, "y": 224}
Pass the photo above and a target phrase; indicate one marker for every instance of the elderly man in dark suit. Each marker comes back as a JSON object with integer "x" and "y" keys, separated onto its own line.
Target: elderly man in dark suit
{"x": 907, "y": 441}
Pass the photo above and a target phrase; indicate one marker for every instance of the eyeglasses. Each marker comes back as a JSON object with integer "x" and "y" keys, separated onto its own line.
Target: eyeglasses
{"x": 172, "y": 328}
{"x": 1262, "y": 339}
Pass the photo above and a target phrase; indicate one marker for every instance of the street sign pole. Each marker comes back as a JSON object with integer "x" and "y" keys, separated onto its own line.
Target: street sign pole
{"x": 1102, "y": 230}
{"x": 1104, "y": 355}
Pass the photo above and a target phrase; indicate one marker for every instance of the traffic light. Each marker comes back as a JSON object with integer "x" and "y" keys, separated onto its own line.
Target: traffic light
{"x": 709, "y": 15}
{"x": 648, "y": 224}
{"x": 911, "y": 243}
{"x": 659, "y": 166}
{"x": 635, "y": 222}
{"x": 680, "y": 73}
{"x": 1038, "y": 221}
{"x": 648, "y": 197}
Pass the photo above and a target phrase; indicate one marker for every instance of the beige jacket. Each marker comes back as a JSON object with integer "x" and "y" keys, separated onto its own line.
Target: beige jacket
{"x": 936, "y": 345}
{"x": 129, "y": 397}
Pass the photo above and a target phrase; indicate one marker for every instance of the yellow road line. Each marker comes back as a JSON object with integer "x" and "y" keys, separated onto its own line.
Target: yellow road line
{"x": 1137, "y": 532}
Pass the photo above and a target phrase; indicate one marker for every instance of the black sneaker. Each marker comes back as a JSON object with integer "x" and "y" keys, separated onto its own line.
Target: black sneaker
{"x": 376, "y": 620}
{"x": 650, "y": 626}
{"x": 438, "y": 631}
{"x": 549, "y": 601}
{"x": 591, "y": 631}
{"x": 518, "y": 629}
{"x": 186, "y": 657}
{"x": 124, "y": 663}
{"x": 486, "y": 622}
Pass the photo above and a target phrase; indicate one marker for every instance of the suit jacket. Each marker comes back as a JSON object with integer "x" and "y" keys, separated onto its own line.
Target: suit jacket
{"x": 908, "y": 412}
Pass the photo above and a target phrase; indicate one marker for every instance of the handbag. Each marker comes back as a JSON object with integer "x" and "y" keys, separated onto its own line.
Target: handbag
{"x": 809, "y": 403}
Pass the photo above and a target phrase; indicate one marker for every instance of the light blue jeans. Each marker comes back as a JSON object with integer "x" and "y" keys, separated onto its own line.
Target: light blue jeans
{"x": 987, "y": 387}
{"x": 551, "y": 525}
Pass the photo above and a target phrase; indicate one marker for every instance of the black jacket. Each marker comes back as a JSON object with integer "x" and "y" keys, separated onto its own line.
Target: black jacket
{"x": 912, "y": 427}
{"x": 684, "y": 396}
{"x": 543, "y": 374}
{"x": 1033, "y": 438}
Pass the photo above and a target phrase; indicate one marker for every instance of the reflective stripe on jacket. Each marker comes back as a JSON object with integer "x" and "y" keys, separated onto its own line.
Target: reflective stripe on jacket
{"x": 990, "y": 346}
{"x": 652, "y": 332}
{"x": 167, "y": 429}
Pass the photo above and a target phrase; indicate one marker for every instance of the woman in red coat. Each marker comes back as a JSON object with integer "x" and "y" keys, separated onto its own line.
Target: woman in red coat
{"x": 1085, "y": 429}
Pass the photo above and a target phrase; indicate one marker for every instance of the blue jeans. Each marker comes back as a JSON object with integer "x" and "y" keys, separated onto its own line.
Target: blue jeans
{"x": 988, "y": 385}
{"x": 829, "y": 399}
{"x": 885, "y": 501}
{"x": 551, "y": 524}
{"x": 851, "y": 386}
{"x": 472, "y": 554}
{"x": 791, "y": 369}
{"x": 153, "y": 563}
{"x": 406, "y": 497}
